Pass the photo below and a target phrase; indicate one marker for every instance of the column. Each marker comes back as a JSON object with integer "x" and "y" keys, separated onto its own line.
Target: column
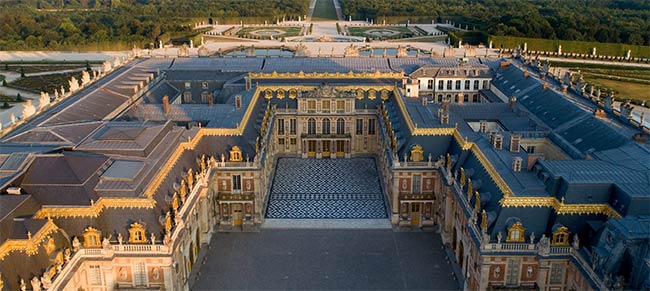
{"x": 395, "y": 198}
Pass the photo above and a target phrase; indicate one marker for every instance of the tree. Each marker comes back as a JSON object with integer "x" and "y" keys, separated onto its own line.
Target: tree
{"x": 22, "y": 72}
{"x": 6, "y": 105}
{"x": 4, "y": 83}
{"x": 19, "y": 98}
{"x": 6, "y": 67}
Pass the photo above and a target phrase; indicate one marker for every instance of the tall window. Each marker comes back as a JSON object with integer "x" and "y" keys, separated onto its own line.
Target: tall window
{"x": 466, "y": 84}
{"x": 340, "y": 105}
{"x": 441, "y": 85}
{"x": 417, "y": 184}
{"x": 340, "y": 126}
{"x": 485, "y": 84}
{"x": 280, "y": 126}
{"x": 371, "y": 126}
{"x": 457, "y": 84}
{"x": 311, "y": 126}
{"x": 475, "y": 84}
{"x": 236, "y": 183}
{"x": 449, "y": 84}
{"x": 512, "y": 273}
{"x": 326, "y": 106}
{"x": 326, "y": 126}
{"x": 139, "y": 274}
{"x": 311, "y": 105}
{"x": 94, "y": 275}
{"x": 557, "y": 272}
{"x": 187, "y": 97}
{"x": 292, "y": 126}
{"x": 359, "y": 126}
{"x": 430, "y": 84}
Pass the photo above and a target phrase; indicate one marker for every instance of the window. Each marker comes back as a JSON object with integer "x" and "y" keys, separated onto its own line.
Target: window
{"x": 280, "y": 126}
{"x": 204, "y": 85}
{"x": 530, "y": 149}
{"x": 417, "y": 184}
{"x": 326, "y": 126}
{"x": 371, "y": 126}
{"x": 205, "y": 97}
{"x": 441, "y": 85}
{"x": 94, "y": 275}
{"x": 326, "y": 106}
{"x": 475, "y": 98}
{"x": 187, "y": 97}
{"x": 359, "y": 126}
{"x": 467, "y": 84}
{"x": 457, "y": 84}
{"x": 281, "y": 141}
{"x": 311, "y": 126}
{"x": 465, "y": 97}
{"x": 188, "y": 85}
{"x": 139, "y": 274}
{"x": 340, "y": 105}
{"x": 516, "y": 233}
{"x": 485, "y": 84}
{"x": 512, "y": 272}
{"x": 236, "y": 183}
{"x": 293, "y": 141}
{"x": 311, "y": 105}
{"x": 475, "y": 84}
{"x": 449, "y": 84}
{"x": 340, "y": 126}
{"x": 238, "y": 101}
{"x": 292, "y": 126}
{"x": 557, "y": 272}
{"x": 91, "y": 237}
{"x": 430, "y": 84}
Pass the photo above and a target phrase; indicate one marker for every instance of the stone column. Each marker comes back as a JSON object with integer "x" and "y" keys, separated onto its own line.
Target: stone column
{"x": 395, "y": 199}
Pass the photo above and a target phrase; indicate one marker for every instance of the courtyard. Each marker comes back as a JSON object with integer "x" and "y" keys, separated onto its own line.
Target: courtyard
{"x": 325, "y": 259}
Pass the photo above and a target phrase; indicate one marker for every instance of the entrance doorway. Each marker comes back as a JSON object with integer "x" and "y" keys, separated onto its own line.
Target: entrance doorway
{"x": 311, "y": 148}
{"x": 415, "y": 214}
{"x": 237, "y": 215}
{"x": 326, "y": 149}
{"x": 340, "y": 148}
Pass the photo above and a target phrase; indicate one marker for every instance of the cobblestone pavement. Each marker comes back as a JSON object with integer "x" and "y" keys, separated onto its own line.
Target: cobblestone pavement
{"x": 325, "y": 260}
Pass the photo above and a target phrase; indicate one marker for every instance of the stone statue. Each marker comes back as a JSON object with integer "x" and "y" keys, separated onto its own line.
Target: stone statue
{"x": 499, "y": 237}
{"x": 168, "y": 222}
{"x": 223, "y": 158}
{"x": 576, "y": 241}
{"x": 23, "y": 286}
{"x": 46, "y": 279}
{"x": 175, "y": 202}
{"x": 532, "y": 237}
{"x": 75, "y": 244}
{"x": 67, "y": 254}
{"x": 183, "y": 190}
{"x": 190, "y": 178}
{"x": 106, "y": 244}
{"x": 28, "y": 109}
{"x": 167, "y": 239}
{"x": 36, "y": 284}
{"x": 153, "y": 238}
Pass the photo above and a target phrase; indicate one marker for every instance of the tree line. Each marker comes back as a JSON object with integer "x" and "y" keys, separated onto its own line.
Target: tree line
{"x": 614, "y": 21}
{"x": 60, "y": 24}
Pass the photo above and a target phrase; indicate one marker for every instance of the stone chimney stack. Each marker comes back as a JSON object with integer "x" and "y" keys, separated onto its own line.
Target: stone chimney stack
{"x": 444, "y": 119}
{"x": 512, "y": 102}
{"x": 565, "y": 89}
{"x": 545, "y": 86}
{"x": 498, "y": 141}
{"x": 542, "y": 76}
{"x": 484, "y": 126}
{"x": 461, "y": 98}
{"x": 516, "y": 164}
{"x": 248, "y": 83}
{"x": 514, "y": 142}
{"x": 525, "y": 74}
{"x": 446, "y": 103}
{"x": 165, "y": 103}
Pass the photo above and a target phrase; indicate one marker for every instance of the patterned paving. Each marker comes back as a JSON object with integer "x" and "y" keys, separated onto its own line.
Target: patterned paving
{"x": 326, "y": 189}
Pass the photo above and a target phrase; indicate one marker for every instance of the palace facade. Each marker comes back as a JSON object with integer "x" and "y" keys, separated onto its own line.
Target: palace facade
{"x": 528, "y": 187}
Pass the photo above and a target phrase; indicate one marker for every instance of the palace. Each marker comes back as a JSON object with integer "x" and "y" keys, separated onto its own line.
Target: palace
{"x": 530, "y": 183}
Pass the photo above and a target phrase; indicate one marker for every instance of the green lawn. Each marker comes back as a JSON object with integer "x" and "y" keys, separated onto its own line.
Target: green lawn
{"x": 624, "y": 90}
{"x": 569, "y": 46}
{"x": 45, "y": 83}
{"x": 324, "y": 10}
{"x": 289, "y": 31}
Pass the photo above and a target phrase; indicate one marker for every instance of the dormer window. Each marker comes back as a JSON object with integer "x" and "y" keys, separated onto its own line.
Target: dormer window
{"x": 235, "y": 154}
{"x": 417, "y": 154}
{"x": 204, "y": 85}
{"x": 137, "y": 233}
{"x": 516, "y": 164}
{"x": 516, "y": 233}
{"x": 561, "y": 236}
{"x": 188, "y": 85}
{"x": 92, "y": 237}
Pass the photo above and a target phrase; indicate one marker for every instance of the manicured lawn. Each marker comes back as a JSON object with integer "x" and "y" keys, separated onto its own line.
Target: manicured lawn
{"x": 403, "y": 32}
{"x": 569, "y": 46}
{"x": 625, "y": 90}
{"x": 324, "y": 10}
{"x": 288, "y": 31}
{"x": 28, "y": 69}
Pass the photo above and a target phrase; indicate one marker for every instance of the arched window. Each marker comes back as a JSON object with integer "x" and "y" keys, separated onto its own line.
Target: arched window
{"x": 311, "y": 126}
{"x": 91, "y": 237}
{"x": 326, "y": 126}
{"x": 516, "y": 233}
{"x": 340, "y": 126}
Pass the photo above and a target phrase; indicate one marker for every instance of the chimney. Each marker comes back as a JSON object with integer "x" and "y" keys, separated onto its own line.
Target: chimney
{"x": 424, "y": 101}
{"x": 491, "y": 137}
{"x": 525, "y": 74}
{"x": 504, "y": 64}
{"x": 542, "y": 76}
{"x": 165, "y": 102}
{"x": 210, "y": 101}
{"x": 516, "y": 164}
{"x": 248, "y": 83}
{"x": 512, "y": 102}
{"x": 514, "y": 142}
{"x": 545, "y": 86}
{"x": 599, "y": 113}
{"x": 461, "y": 98}
{"x": 565, "y": 88}
{"x": 498, "y": 141}
{"x": 445, "y": 117}
{"x": 13, "y": 190}
{"x": 484, "y": 126}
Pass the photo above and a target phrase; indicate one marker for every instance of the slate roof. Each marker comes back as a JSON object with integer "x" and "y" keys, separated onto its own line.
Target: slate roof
{"x": 321, "y": 65}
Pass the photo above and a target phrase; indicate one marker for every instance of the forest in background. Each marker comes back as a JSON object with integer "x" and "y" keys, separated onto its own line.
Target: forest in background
{"x": 119, "y": 24}
{"x": 608, "y": 21}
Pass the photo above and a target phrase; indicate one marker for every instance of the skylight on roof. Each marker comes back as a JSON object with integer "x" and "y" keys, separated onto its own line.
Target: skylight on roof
{"x": 123, "y": 170}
